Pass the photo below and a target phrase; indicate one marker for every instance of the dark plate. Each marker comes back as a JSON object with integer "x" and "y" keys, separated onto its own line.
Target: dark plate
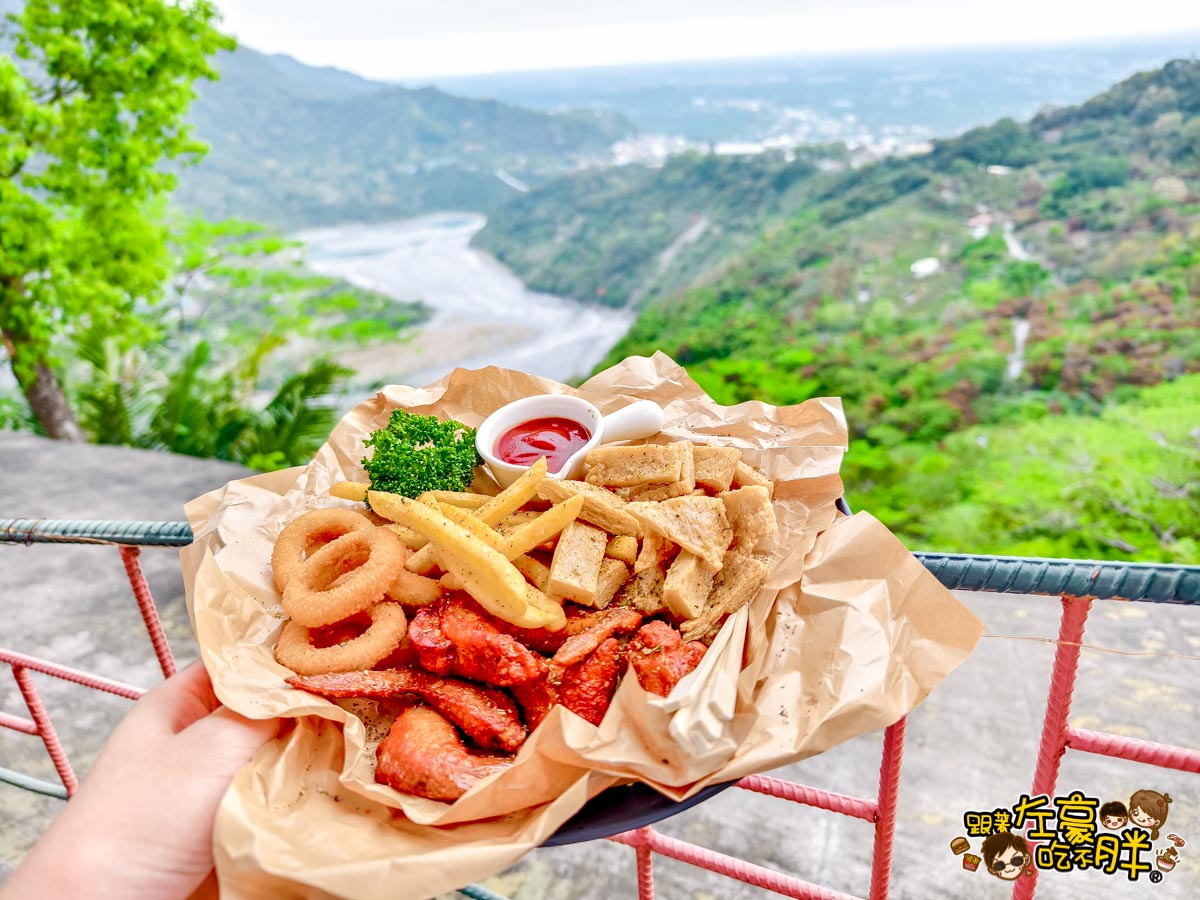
{"x": 632, "y": 805}
{"x": 623, "y": 809}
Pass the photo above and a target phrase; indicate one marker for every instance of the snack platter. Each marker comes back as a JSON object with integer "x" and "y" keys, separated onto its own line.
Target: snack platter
{"x": 569, "y": 654}
{"x": 480, "y": 608}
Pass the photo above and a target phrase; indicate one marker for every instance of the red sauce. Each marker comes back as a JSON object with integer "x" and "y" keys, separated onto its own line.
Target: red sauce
{"x": 555, "y": 438}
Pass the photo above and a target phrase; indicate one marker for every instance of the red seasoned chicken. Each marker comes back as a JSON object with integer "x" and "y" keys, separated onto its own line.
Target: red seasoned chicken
{"x": 618, "y": 620}
{"x": 488, "y": 717}
{"x": 536, "y": 697}
{"x": 482, "y": 651}
{"x": 579, "y": 618}
{"x": 433, "y": 648}
{"x": 424, "y": 755}
{"x": 587, "y": 687}
{"x": 660, "y": 658}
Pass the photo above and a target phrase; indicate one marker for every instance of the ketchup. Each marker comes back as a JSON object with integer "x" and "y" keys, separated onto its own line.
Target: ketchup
{"x": 554, "y": 438}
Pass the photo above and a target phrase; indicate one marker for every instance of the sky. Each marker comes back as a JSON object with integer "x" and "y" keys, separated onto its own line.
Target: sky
{"x": 407, "y": 40}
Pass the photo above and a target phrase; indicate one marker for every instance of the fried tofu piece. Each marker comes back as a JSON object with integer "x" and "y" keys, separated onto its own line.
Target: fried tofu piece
{"x": 634, "y": 464}
{"x": 656, "y": 551}
{"x": 687, "y": 477}
{"x": 613, "y": 574}
{"x": 623, "y": 547}
{"x": 715, "y": 466}
{"x": 697, "y": 524}
{"x": 644, "y": 592}
{"x": 741, "y": 577}
{"x": 746, "y": 476}
{"x": 601, "y": 508}
{"x": 687, "y": 585}
{"x": 575, "y": 568}
{"x": 751, "y": 515}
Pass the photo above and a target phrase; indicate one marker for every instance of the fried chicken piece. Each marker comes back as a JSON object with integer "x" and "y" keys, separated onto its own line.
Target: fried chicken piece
{"x": 579, "y": 618}
{"x": 618, "y": 620}
{"x": 587, "y": 687}
{"x": 541, "y": 640}
{"x": 482, "y": 651}
{"x": 403, "y": 657}
{"x": 423, "y": 755}
{"x": 536, "y": 697}
{"x": 660, "y": 658}
{"x": 430, "y": 643}
{"x": 488, "y": 716}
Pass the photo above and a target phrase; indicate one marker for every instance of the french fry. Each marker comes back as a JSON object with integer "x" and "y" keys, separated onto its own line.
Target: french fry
{"x": 516, "y": 521}
{"x": 484, "y": 573}
{"x": 413, "y": 590}
{"x": 535, "y": 570}
{"x": 424, "y": 561}
{"x": 547, "y": 605}
{"x": 449, "y": 582}
{"x": 350, "y": 490}
{"x": 460, "y": 499}
{"x": 515, "y": 601}
{"x": 513, "y": 497}
{"x": 412, "y": 540}
{"x": 544, "y": 527}
{"x": 483, "y": 483}
{"x": 476, "y": 526}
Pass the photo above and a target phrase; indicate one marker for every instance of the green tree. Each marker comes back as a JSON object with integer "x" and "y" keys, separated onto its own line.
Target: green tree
{"x": 91, "y": 104}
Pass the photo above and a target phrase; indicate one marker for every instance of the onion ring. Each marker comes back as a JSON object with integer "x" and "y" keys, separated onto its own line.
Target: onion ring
{"x": 386, "y": 632}
{"x": 364, "y": 564}
{"x": 304, "y": 534}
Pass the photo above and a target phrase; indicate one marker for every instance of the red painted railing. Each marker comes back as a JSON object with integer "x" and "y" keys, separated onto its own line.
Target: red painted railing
{"x": 1161, "y": 583}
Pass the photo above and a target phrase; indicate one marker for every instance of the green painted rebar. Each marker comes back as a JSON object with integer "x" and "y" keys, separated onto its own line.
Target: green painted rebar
{"x": 95, "y": 531}
{"x": 29, "y": 783}
{"x": 479, "y": 892}
{"x": 1103, "y": 579}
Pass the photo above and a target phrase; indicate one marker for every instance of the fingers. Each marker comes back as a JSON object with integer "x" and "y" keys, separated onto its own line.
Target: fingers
{"x": 182, "y": 699}
{"x": 232, "y": 735}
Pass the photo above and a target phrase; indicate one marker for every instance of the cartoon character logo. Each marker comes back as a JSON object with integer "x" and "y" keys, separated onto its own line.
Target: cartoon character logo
{"x": 1005, "y": 854}
{"x": 1113, "y": 816}
{"x": 1149, "y": 810}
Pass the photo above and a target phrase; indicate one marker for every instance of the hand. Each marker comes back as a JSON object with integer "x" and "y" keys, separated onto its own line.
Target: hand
{"x": 141, "y": 824}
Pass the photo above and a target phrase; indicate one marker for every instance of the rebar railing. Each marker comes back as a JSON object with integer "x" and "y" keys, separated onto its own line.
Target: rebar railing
{"x": 1077, "y": 582}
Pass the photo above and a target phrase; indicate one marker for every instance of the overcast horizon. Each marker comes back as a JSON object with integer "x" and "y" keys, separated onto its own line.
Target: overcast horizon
{"x": 409, "y": 41}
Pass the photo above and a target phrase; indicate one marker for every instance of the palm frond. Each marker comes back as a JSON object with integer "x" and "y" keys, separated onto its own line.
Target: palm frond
{"x": 297, "y": 420}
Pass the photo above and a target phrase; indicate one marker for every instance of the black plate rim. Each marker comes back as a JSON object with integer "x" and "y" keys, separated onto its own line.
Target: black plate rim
{"x": 599, "y": 818}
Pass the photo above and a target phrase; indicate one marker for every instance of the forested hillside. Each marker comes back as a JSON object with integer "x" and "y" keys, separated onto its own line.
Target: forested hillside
{"x": 995, "y": 314}
{"x": 294, "y": 145}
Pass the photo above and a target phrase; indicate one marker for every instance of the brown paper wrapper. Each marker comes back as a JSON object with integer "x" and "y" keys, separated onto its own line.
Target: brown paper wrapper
{"x": 848, "y": 635}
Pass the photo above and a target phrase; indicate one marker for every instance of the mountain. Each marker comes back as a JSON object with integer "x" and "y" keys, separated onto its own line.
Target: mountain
{"x": 885, "y": 99}
{"x": 295, "y": 145}
{"x": 617, "y": 235}
{"x": 1091, "y": 189}
{"x": 1041, "y": 272}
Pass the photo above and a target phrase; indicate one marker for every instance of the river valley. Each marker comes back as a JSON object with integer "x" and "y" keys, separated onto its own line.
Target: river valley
{"x": 482, "y": 313}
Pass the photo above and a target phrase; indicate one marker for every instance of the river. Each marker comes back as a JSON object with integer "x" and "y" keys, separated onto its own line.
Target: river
{"x": 483, "y": 314}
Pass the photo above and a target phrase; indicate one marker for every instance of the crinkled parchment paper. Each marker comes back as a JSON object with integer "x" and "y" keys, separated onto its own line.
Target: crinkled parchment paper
{"x": 849, "y": 634}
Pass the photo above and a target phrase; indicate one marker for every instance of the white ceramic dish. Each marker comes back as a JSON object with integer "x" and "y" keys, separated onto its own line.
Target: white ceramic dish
{"x": 640, "y": 419}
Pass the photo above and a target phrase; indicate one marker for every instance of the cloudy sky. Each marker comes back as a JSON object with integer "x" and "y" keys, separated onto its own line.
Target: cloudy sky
{"x": 412, "y": 39}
